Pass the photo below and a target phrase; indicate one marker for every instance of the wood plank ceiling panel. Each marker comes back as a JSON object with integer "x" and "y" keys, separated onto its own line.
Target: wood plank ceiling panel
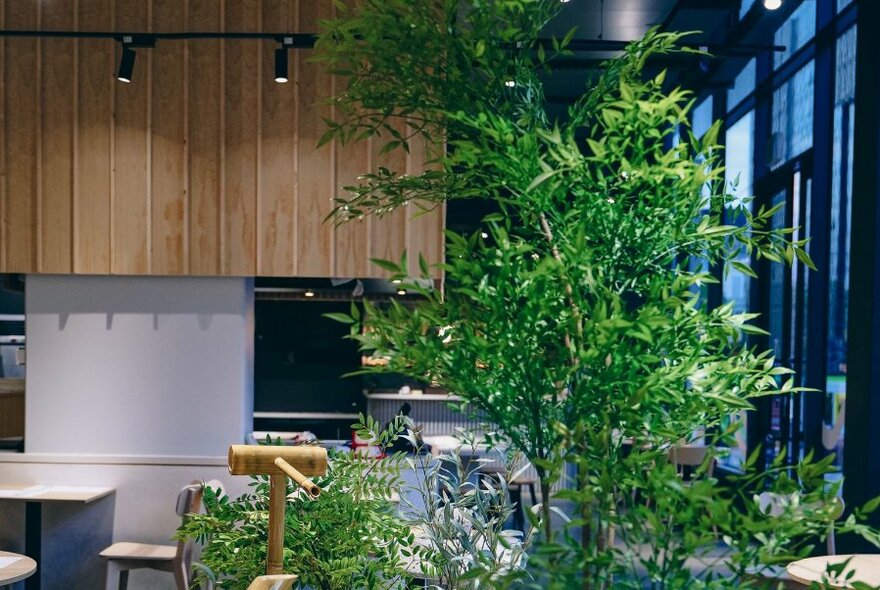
{"x": 169, "y": 149}
{"x": 93, "y": 192}
{"x": 132, "y": 177}
{"x": 316, "y": 178}
{"x": 21, "y": 149}
{"x": 276, "y": 221}
{"x": 58, "y": 80}
{"x": 201, "y": 165}
{"x": 389, "y": 231}
{"x": 242, "y": 90}
{"x": 206, "y": 139}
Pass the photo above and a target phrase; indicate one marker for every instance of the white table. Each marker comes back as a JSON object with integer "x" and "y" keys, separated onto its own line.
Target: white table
{"x": 813, "y": 569}
{"x": 34, "y": 496}
{"x": 15, "y": 567}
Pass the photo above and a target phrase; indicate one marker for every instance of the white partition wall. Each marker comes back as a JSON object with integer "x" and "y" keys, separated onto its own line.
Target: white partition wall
{"x": 134, "y": 383}
{"x": 150, "y": 366}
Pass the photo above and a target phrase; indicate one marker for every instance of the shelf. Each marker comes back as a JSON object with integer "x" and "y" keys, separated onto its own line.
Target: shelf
{"x": 306, "y": 415}
{"x": 424, "y": 397}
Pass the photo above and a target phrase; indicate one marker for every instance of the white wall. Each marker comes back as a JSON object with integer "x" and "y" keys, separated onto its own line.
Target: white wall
{"x": 138, "y": 365}
{"x": 135, "y": 383}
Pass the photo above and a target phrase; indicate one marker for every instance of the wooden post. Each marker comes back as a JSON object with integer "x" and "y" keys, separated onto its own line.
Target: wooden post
{"x": 278, "y": 463}
{"x": 277, "y": 503}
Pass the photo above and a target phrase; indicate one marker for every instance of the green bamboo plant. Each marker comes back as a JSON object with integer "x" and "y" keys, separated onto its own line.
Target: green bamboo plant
{"x": 573, "y": 320}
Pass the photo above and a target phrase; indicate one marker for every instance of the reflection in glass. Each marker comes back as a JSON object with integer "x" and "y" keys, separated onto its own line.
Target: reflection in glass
{"x": 743, "y": 84}
{"x": 793, "y": 117}
{"x": 839, "y": 242}
{"x": 739, "y": 150}
{"x": 701, "y": 117}
{"x": 795, "y": 32}
{"x": 776, "y": 316}
{"x": 744, "y": 7}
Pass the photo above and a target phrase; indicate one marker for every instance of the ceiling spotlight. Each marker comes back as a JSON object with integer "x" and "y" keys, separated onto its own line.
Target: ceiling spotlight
{"x": 396, "y": 281}
{"x": 126, "y": 64}
{"x": 309, "y": 293}
{"x": 484, "y": 235}
{"x": 401, "y": 291}
{"x": 281, "y": 62}
{"x": 772, "y": 4}
{"x": 510, "y": 83}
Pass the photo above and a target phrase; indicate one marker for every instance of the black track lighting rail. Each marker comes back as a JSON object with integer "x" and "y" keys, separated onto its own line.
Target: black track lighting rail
{"x": 292, "y": 40}
{"x": 307, "y": 40}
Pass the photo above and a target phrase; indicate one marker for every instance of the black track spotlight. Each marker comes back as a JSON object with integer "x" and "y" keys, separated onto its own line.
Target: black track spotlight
{"x": 126, "y": 64}
{"x": 281, "y": 64}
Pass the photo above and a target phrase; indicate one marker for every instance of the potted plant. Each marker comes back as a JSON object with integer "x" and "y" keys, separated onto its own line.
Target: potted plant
{"x": 573, "y": 319}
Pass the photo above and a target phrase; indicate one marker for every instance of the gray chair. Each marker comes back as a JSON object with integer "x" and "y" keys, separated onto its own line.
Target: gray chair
{"x": 690, "y": 457}
{"x": 123, "y": 557}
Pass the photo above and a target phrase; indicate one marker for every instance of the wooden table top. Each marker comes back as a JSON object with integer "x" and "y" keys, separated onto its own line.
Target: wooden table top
{"x": 812, "y": 569}
{"x": 15, "y": 567}
{"x": 53, "y": 493}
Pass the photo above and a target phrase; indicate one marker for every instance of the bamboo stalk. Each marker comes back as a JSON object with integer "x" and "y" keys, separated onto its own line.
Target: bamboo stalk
{"x": 277, "y": 503}
{"x": 304, "y": 482}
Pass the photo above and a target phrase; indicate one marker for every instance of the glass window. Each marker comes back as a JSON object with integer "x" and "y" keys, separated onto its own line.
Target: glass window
{"x": 794, "y": 33}
{"x": 841, "y": 4}
{"x": 701, "y": 117}
{"x": 839, "y": 242}
{"x": 745, "y": 7}
{"x": 777, "y": 275}
{"x": 735, "y": 286}
{"x": 743, "y": 85}
{"x": 738, "y": 156}
{"x": 793, "y": 117}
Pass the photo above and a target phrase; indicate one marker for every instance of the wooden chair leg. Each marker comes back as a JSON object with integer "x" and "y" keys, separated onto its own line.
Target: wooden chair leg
{"x": 181, "y": 575}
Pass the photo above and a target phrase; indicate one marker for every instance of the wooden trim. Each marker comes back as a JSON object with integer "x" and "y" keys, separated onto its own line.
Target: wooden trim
{"x": 152, "y": 460}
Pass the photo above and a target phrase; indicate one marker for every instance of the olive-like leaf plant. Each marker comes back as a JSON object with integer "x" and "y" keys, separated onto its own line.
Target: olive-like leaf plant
{"x": 573, "y": 319}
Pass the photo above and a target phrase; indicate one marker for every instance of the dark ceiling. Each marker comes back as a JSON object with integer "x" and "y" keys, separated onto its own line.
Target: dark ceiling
{"x": 621, "y": 20}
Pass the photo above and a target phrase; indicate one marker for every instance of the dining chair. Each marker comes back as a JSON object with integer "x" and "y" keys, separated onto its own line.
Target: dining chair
{"x": 689, "y": 458}
{"x": 125, "y": 556}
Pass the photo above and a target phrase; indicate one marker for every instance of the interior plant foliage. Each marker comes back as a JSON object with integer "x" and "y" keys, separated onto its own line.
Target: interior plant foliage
{"x": 349, "y": 537}
{"x": 574, "y": 320}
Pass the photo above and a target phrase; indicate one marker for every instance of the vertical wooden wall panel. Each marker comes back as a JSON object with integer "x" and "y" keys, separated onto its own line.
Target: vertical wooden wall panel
{"x": 316, "y": 184}
{"x": 56, "y": 173}
{"x": 241, "y": 141}
{"x": 22, "y": 125}
{"x": 352, "y": 237}
{"x": 276, "y": 227}
{"x": 4, "y": 250}
{"x": 424, "y": 233}
{"x": 93, "y": 189}
{"x": 205, "y": 138}
{"x": 131, "y": 172}
{"x": 201, "y": 165}
{"x": 388, "y": 240}
{"x": 169, "y": 149}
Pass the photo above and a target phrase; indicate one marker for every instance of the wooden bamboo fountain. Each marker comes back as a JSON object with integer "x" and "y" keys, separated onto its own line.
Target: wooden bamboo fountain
{"x": 279, "y": 463}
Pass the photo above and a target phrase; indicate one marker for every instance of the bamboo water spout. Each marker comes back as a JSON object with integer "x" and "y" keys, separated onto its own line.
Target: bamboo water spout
{"x": 278, "y": 463}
